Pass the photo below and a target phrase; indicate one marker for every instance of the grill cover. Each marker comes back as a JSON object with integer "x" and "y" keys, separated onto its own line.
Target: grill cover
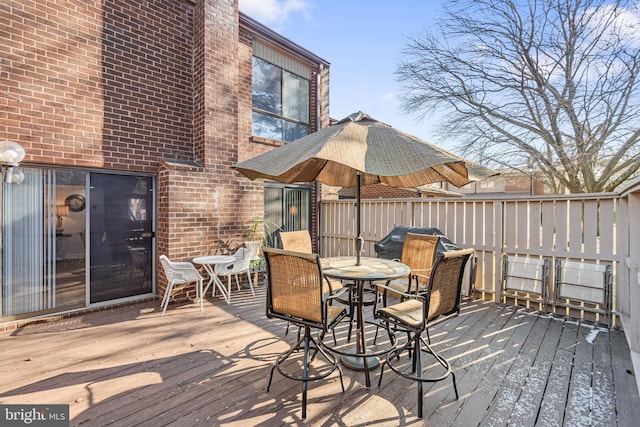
{"x": 390, "y": 247}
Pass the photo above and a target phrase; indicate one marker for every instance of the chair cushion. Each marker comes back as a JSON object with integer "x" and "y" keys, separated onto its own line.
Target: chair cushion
{"x": 335, "y": 286}
{"x": 409, "y": 312}
{"x": 333, "y": 314}
{"x": 402, "y": 283}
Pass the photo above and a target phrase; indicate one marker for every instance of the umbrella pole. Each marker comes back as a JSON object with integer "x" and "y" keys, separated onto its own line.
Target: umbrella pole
{"x": 359, "y": 242}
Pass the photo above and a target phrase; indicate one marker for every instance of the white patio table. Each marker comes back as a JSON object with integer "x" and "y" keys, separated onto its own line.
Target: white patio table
{"x": 209, "y": 262}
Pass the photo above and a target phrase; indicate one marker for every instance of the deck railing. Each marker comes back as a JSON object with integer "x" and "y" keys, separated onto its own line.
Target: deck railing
{"x": 591, "y": 228}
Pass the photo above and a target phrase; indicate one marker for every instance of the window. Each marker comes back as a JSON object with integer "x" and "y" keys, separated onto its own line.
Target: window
{"x": 280, "y": 102}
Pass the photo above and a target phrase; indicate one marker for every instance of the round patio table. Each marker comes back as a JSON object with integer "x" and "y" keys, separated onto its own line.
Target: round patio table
{"x": 209, "y": 262}
{"x": 369, "y": 269}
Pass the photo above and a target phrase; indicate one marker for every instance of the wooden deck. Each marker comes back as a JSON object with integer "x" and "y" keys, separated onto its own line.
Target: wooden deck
{"x": 129, "y": 366}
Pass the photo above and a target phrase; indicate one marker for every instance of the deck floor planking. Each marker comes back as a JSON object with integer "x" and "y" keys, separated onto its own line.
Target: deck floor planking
{"x": 131, "y": 366}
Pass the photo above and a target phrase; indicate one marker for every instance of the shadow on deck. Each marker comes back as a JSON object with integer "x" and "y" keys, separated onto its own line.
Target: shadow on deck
{"x": 131, "y": 366}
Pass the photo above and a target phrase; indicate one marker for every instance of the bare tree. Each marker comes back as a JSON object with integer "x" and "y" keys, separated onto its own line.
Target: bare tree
{"x": 549, "y": 82}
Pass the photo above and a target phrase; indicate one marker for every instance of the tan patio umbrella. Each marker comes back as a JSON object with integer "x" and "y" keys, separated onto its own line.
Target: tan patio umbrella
{"x": 355, "y": 151}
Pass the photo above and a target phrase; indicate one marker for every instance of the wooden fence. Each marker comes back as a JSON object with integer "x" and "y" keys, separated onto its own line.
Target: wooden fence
{"x": 570, "y": 227}
{"x": 627, "y": 280}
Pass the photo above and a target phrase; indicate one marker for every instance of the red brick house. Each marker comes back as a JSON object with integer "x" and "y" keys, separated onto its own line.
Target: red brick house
{"x": 131, "y": 114}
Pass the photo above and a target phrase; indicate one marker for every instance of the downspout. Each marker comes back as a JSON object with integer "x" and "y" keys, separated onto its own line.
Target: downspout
{"x": 318, "y": 185}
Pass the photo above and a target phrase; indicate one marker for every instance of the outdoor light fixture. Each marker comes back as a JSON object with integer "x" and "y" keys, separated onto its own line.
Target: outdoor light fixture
{"x": 11, "y": 154}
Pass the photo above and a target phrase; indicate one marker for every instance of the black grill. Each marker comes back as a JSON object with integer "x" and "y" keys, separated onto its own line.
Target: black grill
{"x": 390, "y": 247}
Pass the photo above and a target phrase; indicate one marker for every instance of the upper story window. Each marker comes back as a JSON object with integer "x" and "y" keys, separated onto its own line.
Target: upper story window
{"x": 280, "y": 102}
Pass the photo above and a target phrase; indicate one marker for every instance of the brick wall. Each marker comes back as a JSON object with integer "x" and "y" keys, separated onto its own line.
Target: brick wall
{"x": 97, "y": 84}
{"x": 223, "y": 120}
{"x": 159, "y": 86}
{"x": 377, "y": 191}
{"x": 206, "y": 209}
{"x": 186, "y": 217}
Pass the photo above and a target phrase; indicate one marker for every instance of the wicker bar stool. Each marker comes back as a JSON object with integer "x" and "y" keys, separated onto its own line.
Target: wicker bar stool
{"x": 419, "y": 312}
{"x": 419, "y": 253}
{"x": 295, "y": 294}
{"x": 300, "y": 241}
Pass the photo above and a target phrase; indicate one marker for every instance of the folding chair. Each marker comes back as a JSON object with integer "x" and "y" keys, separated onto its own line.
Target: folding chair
{"x": 577, "y": 281}
{"x": 528, "y": 276}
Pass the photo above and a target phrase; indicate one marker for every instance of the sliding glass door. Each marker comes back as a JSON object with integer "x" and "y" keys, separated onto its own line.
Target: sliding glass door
{"x": 43, "y": 251}
{"x": 49, "y": 261}
{"x": 286, "y": 208}
{"x": 121, "y": 236}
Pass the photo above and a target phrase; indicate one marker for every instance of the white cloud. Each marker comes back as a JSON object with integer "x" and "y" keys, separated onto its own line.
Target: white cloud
{"x": 627, "y": 23}
{"x": 274, "y": 13}
{"x": 630, "y": 22}
{"x": 385, "y": 104}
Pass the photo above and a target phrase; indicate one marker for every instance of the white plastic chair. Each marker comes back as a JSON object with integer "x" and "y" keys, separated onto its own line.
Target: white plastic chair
{"x": 235, "y": 268}
{"x": 179, "y": 273}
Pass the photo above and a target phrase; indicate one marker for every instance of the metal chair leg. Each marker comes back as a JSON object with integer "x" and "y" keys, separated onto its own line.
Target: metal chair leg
{"x": 305, "y": 371}
{"x": 417, "y": 366}
{"x": 305, "y": 378}
{"x": 418, "y": 344}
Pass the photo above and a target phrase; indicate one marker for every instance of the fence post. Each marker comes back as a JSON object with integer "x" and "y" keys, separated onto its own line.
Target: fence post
{"x": 498, "y": 249}
{"x": 628, "y": 285}
{"x": 409, "y": 215}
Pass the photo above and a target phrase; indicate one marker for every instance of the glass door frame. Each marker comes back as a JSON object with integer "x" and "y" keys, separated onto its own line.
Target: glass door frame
{"x": 86, "y": 217}
{"x": 154, "y": 245}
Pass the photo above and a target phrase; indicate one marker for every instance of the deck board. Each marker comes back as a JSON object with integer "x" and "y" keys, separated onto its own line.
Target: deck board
{"x": 488, "y": 376}
{"x": 603, "y": 404}
{"x": 624, "y": 380}
{"x": 502, "y": 406}
{"x": 470, "y": 360}
{"x": 131, "y": 366}
{"x": 578, "y": 408}
{"x": 525, "y": 411}
{"x": 551, "y": 411}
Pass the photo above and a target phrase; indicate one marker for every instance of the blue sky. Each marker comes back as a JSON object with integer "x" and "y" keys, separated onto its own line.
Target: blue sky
{"x": 363, "y": 41}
